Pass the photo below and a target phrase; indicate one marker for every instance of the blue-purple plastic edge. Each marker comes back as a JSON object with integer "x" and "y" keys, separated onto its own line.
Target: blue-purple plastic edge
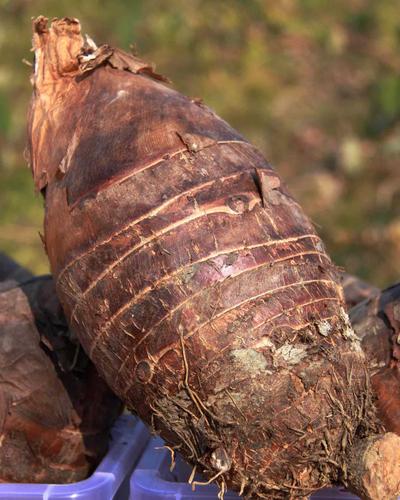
{"x": 129, "y": 438}
{"x": 148, "y": 481}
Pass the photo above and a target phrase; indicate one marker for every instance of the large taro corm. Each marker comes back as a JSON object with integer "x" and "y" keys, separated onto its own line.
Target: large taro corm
{"x": 195, "y": 282}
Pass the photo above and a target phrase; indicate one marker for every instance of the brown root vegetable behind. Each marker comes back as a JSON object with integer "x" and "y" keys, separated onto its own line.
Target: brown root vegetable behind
{"x": 55, "y": 411}
{"x": 377, "y": 322}
{"x": 356, "y": 290}
{"x": 192, "y": 278}
{"x": 10, "y": 270}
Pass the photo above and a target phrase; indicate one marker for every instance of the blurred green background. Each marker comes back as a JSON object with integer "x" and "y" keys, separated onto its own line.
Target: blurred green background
{"x": 315, "y": 84}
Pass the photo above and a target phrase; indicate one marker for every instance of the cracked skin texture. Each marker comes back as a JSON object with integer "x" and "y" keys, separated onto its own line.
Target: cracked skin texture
{"x": 193, "y": 279}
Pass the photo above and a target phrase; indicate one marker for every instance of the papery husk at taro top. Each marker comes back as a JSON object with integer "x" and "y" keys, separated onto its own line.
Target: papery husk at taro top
{"x": 55, "y": 410}
{"x": 195, "y": 282}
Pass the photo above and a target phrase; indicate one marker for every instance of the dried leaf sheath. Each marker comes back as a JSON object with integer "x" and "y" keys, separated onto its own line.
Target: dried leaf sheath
{"x": 194, "y": 281}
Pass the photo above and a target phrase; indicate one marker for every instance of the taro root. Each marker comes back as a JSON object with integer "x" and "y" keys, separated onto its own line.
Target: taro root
{"x": 356, "y": 290}
{"x": 195, "y": 282}
{"x": 377, "y": 322}
{"x": 55, "y": 411}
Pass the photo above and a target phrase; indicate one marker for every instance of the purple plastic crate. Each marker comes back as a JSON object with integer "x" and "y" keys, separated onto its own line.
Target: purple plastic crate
{"x": 109, "y": 481}
{"x": 152, "y": 480}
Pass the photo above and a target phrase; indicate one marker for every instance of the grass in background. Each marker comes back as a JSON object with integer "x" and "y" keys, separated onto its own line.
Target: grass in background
{"x": 315, "y": 84}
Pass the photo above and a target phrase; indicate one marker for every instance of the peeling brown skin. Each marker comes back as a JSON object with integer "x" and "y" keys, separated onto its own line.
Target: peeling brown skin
{"x": 192, "y": 278}
{"x": 55, "y": 411}
{"x": 377, "y": 322}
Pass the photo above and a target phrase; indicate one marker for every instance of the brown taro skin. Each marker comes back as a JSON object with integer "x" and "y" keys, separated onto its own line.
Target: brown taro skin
{"x": 377, "y": 322}
{"x": 356, "y": 290}
{"x": 55, "y": 411}
{"x": 192, "y": 278}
